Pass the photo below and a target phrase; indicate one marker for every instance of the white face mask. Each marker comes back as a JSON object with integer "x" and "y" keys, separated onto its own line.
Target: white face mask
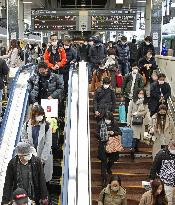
{"x": 147, "y": 43}
{"x": 161, "y": 82}
{"x": 123, "y": 43}
{"x": 102, "y": 68}
{"x": 91, "y": 43}
{"x": 66, "y": 47}
{"x": 39, "y": 118}
{"x": 28, "y": 157}
{"x": 54, "y": 43}
{"x": 108, "y": 122}
{"x": 135, "y": 71}
{"x": 141, "y": 96}
{"x": 172, "y": 151}
{"x": 106, "y": 86}
{"x": 115, "y": 189}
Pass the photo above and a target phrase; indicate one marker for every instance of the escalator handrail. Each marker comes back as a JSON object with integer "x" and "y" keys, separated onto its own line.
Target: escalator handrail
{"x": 10, "y": 99}
{"x": 24, "y": 109}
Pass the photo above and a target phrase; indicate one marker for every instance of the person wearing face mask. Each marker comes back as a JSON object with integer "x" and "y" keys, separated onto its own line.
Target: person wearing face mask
{"x": 155, "y": 196}
{"x": 131, "y": 83}
{"x": 98, "y": 75}
{"x": 159, "y": 93}
{"x": 164, "y": 167}
{"x": 114, "y": 193}
{"x": 138, "y": 108}
{"x": 104, "y": 99}
{"x": 71, "y": 60}
{"x": 123, "y": 55}
{"x": 162, "y": 127}
{"x": 144, "y": 47}
{"x": 44, "y": 84}
{"x": 25, "y": 171}
{"x": 38, "y": 133}
{"x": 110, "y": 126}
{"x": 55, "y": 55}
{"x": 97, "y": 53}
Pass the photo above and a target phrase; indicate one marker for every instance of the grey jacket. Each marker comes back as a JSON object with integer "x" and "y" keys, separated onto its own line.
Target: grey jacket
{"x": 44, "y": 151}
{"x": 55, "y": 87}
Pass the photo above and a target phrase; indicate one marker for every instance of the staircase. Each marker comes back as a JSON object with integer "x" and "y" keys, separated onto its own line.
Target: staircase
{"x": 132, "y": 173}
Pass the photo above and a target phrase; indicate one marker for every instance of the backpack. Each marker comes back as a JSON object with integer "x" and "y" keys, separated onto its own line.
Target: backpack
{"x": 103, "y": 132}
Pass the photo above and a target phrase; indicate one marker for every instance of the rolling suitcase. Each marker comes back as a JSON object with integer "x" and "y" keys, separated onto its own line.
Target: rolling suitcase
{"x": 127, "y": 137}
{"x": 122, "y": 113}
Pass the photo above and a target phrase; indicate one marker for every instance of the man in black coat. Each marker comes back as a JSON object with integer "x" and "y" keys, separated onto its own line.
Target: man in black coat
{"x": 159, "y": 93}
{"x": 145, "y": 47}
{"x": 104, "y": 99}
{"x": 3, "y": 72}
{"x": 45, "y": 85}
{"x": 71, "y": 59}
{"x": 25, "y": 171}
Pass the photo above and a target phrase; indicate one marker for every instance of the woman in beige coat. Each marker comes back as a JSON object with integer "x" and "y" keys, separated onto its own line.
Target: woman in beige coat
{"x": 113, "y": 194}
{"x": 162, "y": 127}
{"x": 138, "y": 107}
{"x": 156, "y": 196}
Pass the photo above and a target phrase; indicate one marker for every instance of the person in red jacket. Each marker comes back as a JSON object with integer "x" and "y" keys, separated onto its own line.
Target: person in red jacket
{"x": 55, "y": 55}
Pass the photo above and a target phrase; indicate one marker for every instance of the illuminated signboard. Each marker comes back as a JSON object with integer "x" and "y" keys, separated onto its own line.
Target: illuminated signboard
{"x": 122, "y": 20}
{"x": 44, "y": 20}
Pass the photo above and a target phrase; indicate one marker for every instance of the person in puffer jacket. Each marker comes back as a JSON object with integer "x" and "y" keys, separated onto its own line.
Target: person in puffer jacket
{"x": 123, "y": 55}
{"x": 45, "y": 85}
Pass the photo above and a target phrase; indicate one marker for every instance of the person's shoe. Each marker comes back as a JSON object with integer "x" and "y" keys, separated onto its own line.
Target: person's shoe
{"x": 132, "y": 154}
{"x": 104, "y": 182}
{"x": 109, "y": 171}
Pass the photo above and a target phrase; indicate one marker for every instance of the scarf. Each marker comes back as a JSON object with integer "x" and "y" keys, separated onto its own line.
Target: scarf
{"x": 132, "y": 86}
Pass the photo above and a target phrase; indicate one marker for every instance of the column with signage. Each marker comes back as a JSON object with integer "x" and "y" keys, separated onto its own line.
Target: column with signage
{"x": 156, "y": 25}
{"x": 12, "y": 20}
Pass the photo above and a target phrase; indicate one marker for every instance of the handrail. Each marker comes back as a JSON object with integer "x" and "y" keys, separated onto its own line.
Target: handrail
{"x": 5, "y": 118}
{"x": 84, "y": 188}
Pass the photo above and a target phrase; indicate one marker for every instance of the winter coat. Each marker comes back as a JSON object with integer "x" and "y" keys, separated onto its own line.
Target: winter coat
{"x": 83, "y": 52}
{"x": 109, "y": 199}
{"x": 97, "y": 54}
{"x": 147, "y": 198}
{"x": 104, "y": 100}
{"x": 143, "y": 49}
{"x": 44, "y": 151}
{"x": 144, "y": 71}
{"x": 142, "y": 110}
{"x": 164, "y": 167}
{"x": 39, "y": 182}
{"x": 133, "y": 51}
{"x": 55, "y": 87}
{"x": 162, "y": 138}
{"x": 61, "y": 57}
{"x": 97, "y": 78}
{"x": 155, "y": 95}
{"x": 127, "y": 84}
{"x": 123, "y": 53}
{"x": 3, "y": 72}
{"x": 111, "y": 64}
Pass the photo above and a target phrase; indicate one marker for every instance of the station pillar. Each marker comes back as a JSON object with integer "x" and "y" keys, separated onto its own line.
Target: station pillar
{"x": 148, "y": 12}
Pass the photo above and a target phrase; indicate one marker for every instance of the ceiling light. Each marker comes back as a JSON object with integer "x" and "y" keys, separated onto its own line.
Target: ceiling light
{"x": 119, "y": 1}
{"x": 27, "y": 2}
{"x": 141, "y": 1}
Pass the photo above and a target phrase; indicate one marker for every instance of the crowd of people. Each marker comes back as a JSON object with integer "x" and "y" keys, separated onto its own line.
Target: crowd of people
{"x": 121, "y": 68}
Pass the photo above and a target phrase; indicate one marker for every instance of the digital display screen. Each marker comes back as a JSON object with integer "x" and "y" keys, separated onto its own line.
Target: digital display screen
{"x": 55, "y": 22}
{"x": 122, "y": 20}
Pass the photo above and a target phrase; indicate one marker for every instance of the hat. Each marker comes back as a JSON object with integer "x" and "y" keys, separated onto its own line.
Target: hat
{"x": 23, "y": 148}
{"x": 20, "y": 196}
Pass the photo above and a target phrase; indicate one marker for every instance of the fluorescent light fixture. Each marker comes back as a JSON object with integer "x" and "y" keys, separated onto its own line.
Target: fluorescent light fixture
{"x": 27, "y": 2}
{"x": 119, "y": 1}
{"x": 141, "y": 1}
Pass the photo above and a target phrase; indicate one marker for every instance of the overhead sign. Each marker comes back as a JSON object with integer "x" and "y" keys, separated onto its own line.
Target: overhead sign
{"x": 122, "y": 20}
{"x": 92, "y": 20}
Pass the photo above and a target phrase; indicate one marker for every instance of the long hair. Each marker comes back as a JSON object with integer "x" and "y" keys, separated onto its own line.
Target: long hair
{"x": 161, "y": 198}
{"x": 109, "y": 116}
{"x": 161, "y": 119}
{"x": 13, "y": 44}
{"x": 36, "y": 111}
{"x": 135, "y": 98}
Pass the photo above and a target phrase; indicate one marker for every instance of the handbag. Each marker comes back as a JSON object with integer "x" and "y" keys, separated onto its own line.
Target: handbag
{"x": 148, "y": 138}
{"x": 137, "y": 120}
{"x": 114, "y": 145}
{"x": 103, "y": 132}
